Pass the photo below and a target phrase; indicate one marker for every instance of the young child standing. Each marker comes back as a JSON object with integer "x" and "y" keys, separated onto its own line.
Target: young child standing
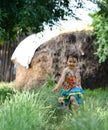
{"x": 72, "y": 92}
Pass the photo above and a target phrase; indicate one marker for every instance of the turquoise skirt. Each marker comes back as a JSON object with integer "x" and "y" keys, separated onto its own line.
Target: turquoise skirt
{"x": 76, "y": 92}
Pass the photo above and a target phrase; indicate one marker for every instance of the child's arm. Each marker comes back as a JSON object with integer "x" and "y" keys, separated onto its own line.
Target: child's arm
{"x": 78, "y": 77}
{"x": 60, "y": 82}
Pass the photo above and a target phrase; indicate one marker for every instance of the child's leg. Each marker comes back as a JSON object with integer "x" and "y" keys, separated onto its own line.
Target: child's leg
{"x": 73, "y": 101}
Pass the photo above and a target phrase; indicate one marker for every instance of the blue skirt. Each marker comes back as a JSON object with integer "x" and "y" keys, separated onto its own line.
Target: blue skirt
{"x": 76, "y": 92}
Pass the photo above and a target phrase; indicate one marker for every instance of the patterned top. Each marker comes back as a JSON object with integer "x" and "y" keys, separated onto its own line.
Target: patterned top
{"x": 70, "y": 79}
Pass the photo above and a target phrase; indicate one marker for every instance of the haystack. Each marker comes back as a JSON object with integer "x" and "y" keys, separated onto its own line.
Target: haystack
{"x": 50, "y": 59}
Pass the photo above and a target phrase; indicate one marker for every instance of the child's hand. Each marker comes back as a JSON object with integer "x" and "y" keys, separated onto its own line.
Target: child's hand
{"x": 55, "y": 89}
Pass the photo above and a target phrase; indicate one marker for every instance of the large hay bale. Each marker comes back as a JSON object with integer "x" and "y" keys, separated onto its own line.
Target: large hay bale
{"x": 36, "y": 75}
{"x": 50, "y": 59}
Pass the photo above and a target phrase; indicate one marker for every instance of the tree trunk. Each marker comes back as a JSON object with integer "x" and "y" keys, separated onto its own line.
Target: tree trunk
{"x": 6, "y": 66}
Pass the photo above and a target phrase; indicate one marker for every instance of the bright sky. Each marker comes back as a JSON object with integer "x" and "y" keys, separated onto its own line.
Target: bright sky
{"x": 72, "y": 24}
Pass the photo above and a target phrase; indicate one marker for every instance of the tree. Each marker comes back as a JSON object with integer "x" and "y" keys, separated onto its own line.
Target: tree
{"x": 21, "y": 16}
{"x": 100, "y": 24}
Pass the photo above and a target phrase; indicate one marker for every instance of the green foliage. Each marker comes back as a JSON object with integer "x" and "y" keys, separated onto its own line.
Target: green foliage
{"x": 24, "y": 112}
{"x": 22, "y": 16}
{"x": 39, "y": 110}
{"x": 100, "y": 24}
{"x": 5, "y": 92}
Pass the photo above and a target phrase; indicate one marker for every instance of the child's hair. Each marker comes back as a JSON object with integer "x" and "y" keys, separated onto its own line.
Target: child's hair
{"x": 73, "y": 54}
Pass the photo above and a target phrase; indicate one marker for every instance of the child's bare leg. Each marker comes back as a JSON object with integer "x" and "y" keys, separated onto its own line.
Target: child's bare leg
{"x": 74, "y": 102}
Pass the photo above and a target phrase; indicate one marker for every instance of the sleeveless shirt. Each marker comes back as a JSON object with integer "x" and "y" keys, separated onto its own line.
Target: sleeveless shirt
{"x": 70, "y": 79}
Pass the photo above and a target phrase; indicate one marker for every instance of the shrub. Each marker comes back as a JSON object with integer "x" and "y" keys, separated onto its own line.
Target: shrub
{"x": 6, "y": 92}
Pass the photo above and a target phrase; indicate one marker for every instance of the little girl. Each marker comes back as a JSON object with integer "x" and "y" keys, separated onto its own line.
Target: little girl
{"x": 70, "y": 80}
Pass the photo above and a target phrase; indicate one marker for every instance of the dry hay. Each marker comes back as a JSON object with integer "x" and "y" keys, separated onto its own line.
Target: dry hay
{"x": 36, "y": 74}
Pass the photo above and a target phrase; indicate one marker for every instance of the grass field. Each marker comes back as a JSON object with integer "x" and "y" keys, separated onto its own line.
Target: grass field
{"x": 39, "y": 110}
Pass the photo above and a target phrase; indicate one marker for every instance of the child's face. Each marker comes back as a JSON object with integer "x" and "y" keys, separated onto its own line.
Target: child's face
{"x": 72, "y": 62}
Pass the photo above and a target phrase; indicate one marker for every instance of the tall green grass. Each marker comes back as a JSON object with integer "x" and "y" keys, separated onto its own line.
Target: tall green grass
{"x": 6, "y": 90}
{"x": 39, "y": 110}
{"x": 24, "y": 111}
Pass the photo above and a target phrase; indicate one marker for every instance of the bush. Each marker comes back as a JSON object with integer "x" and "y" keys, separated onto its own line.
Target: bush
{"x": 6, "y": 92}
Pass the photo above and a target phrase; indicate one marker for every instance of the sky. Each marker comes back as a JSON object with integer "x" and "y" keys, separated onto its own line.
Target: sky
{"x": 69, "y": 25}
{"x": 73, "y": 24}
